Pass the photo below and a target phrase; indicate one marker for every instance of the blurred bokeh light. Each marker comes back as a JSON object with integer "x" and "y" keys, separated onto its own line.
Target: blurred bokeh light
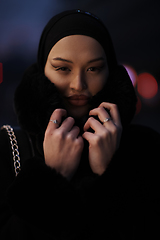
{"x": 134, "y": 29}
{"x": 132, "y": 73}
{"x": 147, "y": 85}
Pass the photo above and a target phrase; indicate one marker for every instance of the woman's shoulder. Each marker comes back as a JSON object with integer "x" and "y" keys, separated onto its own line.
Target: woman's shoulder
{"x": 140, "y": 146}
{"x": 15, "y": 149}
{"x": 137, "y": 134}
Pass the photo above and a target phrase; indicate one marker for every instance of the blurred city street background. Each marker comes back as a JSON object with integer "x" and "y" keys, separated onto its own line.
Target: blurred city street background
{"x": 135, "y": 30}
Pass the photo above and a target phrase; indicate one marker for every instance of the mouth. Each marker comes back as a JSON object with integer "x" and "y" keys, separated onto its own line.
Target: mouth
{"x": 78, "y": 100}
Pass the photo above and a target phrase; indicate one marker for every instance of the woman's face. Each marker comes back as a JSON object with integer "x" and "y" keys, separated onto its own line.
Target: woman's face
{"x": 77, "y": 65}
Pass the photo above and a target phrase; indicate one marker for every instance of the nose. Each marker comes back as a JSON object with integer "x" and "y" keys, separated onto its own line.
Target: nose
{"x": 78, "y": 82}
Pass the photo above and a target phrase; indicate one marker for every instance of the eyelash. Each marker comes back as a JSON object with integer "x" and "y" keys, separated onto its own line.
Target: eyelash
{"x": 66, "y": 69}
{"x": 94, "y": 69}
{"x": 63, "y": 69}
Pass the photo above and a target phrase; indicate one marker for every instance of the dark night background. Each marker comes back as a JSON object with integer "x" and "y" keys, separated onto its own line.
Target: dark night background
{"x": 134, "y": 26}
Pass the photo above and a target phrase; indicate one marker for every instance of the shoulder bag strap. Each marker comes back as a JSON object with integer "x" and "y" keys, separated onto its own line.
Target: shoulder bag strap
{"x": 21, "y": 147}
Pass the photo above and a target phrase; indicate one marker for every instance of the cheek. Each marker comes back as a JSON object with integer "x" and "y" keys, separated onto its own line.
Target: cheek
{"x": 97, "y": 85}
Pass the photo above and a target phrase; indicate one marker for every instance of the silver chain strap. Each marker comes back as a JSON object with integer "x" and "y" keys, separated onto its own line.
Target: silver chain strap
{"x": 14, "y": 147}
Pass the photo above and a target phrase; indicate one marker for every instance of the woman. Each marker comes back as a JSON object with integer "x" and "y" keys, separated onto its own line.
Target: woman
{"x": 93, "y": 175}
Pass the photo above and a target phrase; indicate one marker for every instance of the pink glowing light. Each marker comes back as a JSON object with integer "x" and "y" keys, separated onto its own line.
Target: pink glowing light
{"x": 132, "y": 74}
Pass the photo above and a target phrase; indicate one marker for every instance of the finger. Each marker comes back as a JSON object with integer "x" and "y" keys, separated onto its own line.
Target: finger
{"x": 67, "y": 124}
{"x": 80, "y": 142}
{"x": 73, "y": 134}
{"x": 94, "y": 124}
{"x": 56, "y": 116}
{"x": 113, "y": 112}
{"x": 88, "y": 136}
{"x": 100, "y": 112}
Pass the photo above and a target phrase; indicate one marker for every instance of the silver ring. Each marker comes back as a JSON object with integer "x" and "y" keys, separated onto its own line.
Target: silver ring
{"x": 107, "y": 120}
{"x": 54, "y": 121}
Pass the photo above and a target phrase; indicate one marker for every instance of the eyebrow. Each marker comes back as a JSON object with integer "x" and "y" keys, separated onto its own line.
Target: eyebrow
{"x": 91, "y": 61}
{"x": 97, "y": 59}
{"x": 62, "y": 59}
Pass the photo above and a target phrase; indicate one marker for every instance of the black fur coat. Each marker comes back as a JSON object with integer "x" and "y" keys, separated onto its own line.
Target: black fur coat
{"x": 123, "y": 203}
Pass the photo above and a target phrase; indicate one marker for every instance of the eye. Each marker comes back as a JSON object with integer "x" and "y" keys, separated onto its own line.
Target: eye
{"x": 92, "y": 69}
{"x": 63, "y": 69}
{"x": 95, "y": 69}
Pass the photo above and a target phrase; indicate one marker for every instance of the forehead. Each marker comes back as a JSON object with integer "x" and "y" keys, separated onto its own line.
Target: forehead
{"x": 78, "y": 44}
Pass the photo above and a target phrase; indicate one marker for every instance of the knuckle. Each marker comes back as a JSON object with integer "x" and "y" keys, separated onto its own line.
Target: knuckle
{"x": 114, "y": 129}
{"x": 102, "y": 104}
{"x": 91, "y": 119}
{"x": 59, "y": 135}
{"x": 97, "y": 140}
{"x": 69, "y": 137}
{"x": 76, "y": 128}
{"x": 114, "y": 106}
{"x": 79, "y": 143}
{"x": 100, "y": 108}
{"x": 106, "y": 134}
{"x": 70, "y": 120}
{"x": 58, "y": 110}
{"x": 115, "y": 132}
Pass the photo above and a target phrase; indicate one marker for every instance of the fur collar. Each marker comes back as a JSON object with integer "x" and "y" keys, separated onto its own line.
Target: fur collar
{"x": 36, "y": 98}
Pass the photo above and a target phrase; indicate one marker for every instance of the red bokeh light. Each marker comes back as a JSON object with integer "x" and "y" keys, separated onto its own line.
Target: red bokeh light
{"x": 147, "y": 85}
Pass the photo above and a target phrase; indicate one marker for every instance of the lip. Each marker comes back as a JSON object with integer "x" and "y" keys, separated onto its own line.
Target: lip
{"x": 78, "y": 100}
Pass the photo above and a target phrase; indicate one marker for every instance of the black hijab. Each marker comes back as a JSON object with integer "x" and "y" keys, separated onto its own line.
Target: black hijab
{"x": 75, "y": 22}
{"x": 36, "y": 97}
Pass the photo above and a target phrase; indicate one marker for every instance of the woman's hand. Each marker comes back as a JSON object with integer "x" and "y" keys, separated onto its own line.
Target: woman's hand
{"x": 104, "y": 142}
{"x": 62, "y": 145}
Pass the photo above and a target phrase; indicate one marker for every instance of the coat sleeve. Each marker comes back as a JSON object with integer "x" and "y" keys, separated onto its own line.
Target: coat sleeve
{"x": 44, "y": 199}
{"x": 128, "y": 193}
